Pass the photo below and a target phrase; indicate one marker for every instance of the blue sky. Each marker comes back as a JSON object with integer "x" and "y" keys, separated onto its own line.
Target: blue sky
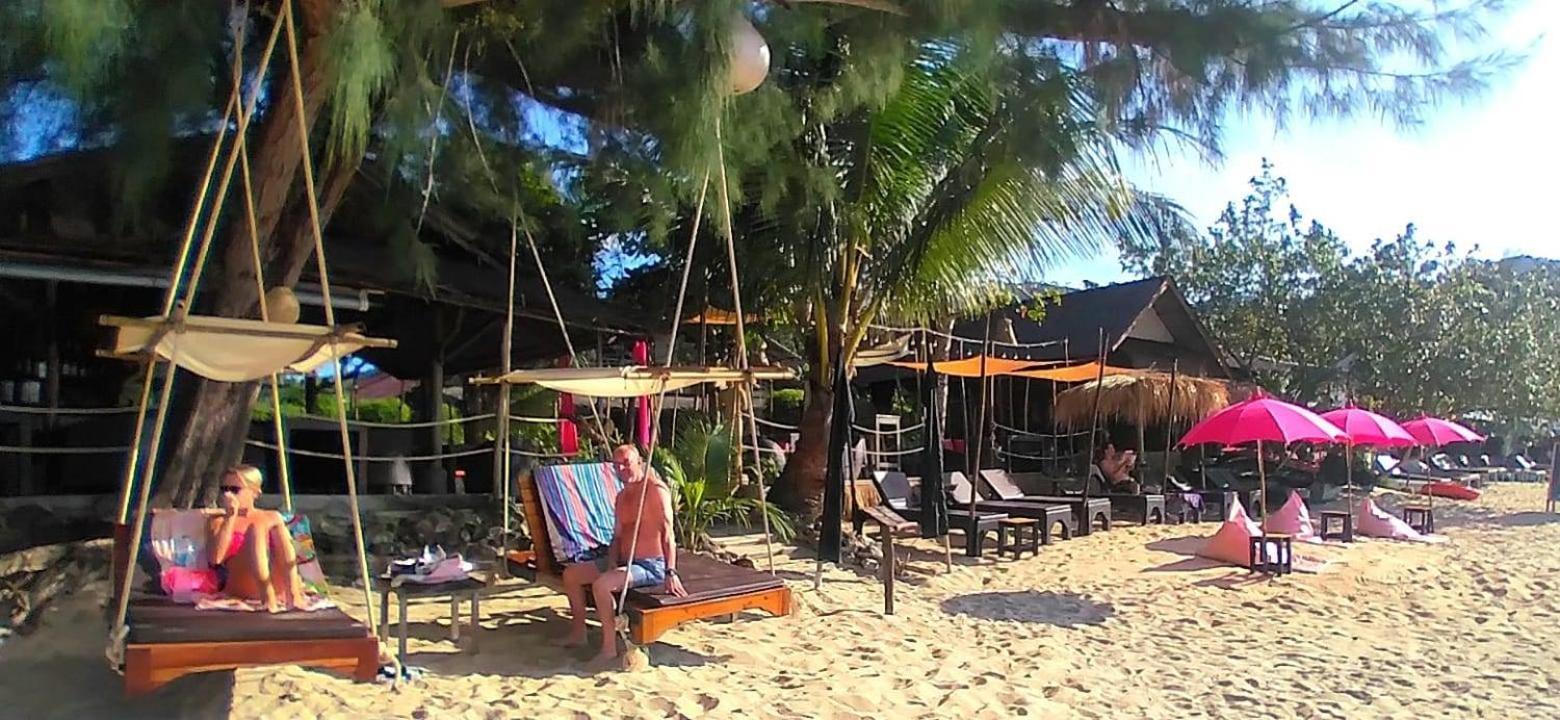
{"x": 1478, "y": 172}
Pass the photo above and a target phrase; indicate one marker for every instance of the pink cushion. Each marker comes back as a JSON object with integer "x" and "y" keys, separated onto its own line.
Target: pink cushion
{"x": 1372, "y": 521}
{"x": 1232, "y": 542}
{"x": 1293, "y": 519}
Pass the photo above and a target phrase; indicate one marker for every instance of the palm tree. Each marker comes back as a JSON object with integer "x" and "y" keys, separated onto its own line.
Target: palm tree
{"x": 970, "y": 174}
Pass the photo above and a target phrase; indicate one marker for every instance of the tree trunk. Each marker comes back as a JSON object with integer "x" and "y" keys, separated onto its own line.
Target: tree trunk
{"x": 800, "y": 487}
{"x": 209, "y": 437}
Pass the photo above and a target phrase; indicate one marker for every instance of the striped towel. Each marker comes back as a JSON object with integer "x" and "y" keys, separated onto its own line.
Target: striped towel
{"x": 578, "y": 502}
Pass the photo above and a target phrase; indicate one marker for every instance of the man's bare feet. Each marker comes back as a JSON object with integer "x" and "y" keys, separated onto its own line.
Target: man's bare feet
{"x": 604, "y": 661}
{"x": 571, "y": 641}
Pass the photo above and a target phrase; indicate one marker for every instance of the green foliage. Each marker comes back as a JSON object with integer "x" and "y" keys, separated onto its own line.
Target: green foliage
{"x": 785, "y": 405}
{"x": 1407, "y": 327}
{"x": 699, "y": 467}
{"x": 380, "y": 410}
{"x": 362, "y": 65}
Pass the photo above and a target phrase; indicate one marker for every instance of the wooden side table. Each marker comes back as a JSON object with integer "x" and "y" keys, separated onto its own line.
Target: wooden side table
{"x": 1281, "y": 561}
{"x": 1016, "y": 535}
{"x": 1420, "y": 517}
{"x": 470, "y": 587}
{"x": 1338, "y": 525}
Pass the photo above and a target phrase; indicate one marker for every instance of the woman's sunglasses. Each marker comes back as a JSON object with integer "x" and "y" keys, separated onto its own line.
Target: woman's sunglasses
{"x": 234, "y": 489}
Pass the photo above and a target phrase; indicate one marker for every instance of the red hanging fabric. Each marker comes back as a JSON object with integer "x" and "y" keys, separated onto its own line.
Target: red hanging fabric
{"x": 568, "y": 433}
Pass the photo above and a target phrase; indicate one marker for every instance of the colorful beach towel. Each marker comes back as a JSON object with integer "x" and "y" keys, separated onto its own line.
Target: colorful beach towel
{"x": 1372, "y": 521}
{"x": 578, "y": 504}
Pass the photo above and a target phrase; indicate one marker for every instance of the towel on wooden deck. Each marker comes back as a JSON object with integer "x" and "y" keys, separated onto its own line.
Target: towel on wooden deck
{"x": 578, "y": 502}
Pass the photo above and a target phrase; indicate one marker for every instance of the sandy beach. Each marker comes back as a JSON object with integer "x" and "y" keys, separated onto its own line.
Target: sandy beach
{"x": 1116, "y": 625}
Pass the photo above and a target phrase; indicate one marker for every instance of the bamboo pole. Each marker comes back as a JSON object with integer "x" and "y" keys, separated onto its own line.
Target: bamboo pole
{"x": 312, "y": 203}
{"x": 503, "y": 446}
{"x": 1175, "y": 370}
{"x": 742, "y": 350}
{"x": 974, "y": 455}
{"x": 1094, "y": 421}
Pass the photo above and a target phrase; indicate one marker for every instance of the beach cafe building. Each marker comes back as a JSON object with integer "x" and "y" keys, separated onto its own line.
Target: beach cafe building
{"x": 1145, "y": 324}
{"x": 65, "y": 260}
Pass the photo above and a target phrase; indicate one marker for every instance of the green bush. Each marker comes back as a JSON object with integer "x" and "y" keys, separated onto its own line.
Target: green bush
{"x": 785, "y": 406}
{"x": 699, "y": 468}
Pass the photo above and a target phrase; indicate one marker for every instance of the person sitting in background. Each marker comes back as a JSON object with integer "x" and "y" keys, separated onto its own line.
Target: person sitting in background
{"x": 251, "y": 548}
{"x": 1116, "y": 469}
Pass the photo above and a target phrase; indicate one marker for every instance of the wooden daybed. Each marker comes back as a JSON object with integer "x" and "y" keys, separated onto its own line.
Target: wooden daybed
{"x": 167, "y": 641}
{"x": 714, "y": 588}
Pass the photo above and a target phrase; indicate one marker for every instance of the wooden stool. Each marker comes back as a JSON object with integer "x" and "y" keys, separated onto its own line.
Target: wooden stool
{"x": 1016, "y": 535}
{"x": 1283, "y": 560}
{"x": 1344, "y": 521}
{"x": 1420, "y": 517}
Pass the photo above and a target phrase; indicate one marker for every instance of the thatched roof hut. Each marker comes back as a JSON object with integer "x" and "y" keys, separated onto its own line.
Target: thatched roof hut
{"x": 1142, "y": 398}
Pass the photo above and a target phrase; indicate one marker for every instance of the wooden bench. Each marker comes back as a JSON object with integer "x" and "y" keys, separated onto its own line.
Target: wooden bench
{"x": 890, "y": 524}
{"x": 714, "y": 588}
{"x": 167, "y": 641}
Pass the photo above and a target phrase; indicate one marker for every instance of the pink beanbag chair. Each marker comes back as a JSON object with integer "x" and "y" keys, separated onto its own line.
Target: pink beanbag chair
{"x": 1372, "y": 521}
{"x": 1232, "y": 542}
{"x": 1293, "y": 519}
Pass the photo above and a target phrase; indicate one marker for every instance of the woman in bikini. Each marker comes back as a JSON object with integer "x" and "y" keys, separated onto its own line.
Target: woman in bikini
{"x": 254, "y": 546}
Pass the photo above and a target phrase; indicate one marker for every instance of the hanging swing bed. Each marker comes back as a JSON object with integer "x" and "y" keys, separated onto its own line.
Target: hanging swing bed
{"x": 568, "y": 511}
{"x": 153, "y": 640}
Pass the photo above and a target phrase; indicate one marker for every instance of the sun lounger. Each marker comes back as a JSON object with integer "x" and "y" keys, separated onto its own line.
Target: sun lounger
{"x": 566, "y": 506}
{"x": 167, "y": 641}
{"x": 1087, "y": 511}
{"x": 1056, "y": 518}
{"x": 1416, "y": 470}
{"x": 894, "y": 488}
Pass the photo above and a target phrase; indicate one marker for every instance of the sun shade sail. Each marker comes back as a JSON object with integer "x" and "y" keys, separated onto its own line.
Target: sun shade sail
{"x": 971, "y": 366}
{"x": 1073, "y": 373}
{"x": 633, "y": 380}
{"x": 232, "y": 349}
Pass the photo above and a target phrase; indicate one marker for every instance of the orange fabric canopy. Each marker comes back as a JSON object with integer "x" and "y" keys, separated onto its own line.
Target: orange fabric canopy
{"x": 970, "y": 366}
{"x": 717, "y": 316}
{"x": 1082, "y": 372}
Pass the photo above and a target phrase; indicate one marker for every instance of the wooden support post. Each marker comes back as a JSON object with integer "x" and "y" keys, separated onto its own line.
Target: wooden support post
{"x": 888, "y": 568}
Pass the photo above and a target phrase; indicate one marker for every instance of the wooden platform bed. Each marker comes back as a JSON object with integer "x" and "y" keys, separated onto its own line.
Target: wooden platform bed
{"x": 167, "y": 641}
{"x": 714, "y": 588}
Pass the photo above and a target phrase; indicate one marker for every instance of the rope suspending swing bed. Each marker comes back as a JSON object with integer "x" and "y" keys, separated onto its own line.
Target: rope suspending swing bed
{"x": 713, "y": 588}
{"x": 153, "y": 641}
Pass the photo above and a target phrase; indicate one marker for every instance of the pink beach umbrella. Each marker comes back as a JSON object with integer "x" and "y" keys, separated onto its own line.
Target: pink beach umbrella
{"x": 1435, "y": 432}
{"x": 1366, "y": 428}
{"x": 1263, "y": 419}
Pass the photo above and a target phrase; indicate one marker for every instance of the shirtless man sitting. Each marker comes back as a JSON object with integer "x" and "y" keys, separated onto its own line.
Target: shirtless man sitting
{"x": 654, "y": 561}
{"x": 1117, "y": 469}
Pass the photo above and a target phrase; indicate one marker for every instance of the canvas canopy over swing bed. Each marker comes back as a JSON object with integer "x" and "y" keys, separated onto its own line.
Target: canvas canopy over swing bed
{"x": 152, "y": 640}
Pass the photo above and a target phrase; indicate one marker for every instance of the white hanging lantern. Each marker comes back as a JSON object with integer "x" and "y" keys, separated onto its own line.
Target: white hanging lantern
{"x": 281, "y": 305}
{"x": 749, "y": 59}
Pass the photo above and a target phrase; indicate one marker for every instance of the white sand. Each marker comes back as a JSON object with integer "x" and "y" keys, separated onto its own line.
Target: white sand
{"x": 1116, "y": 625}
